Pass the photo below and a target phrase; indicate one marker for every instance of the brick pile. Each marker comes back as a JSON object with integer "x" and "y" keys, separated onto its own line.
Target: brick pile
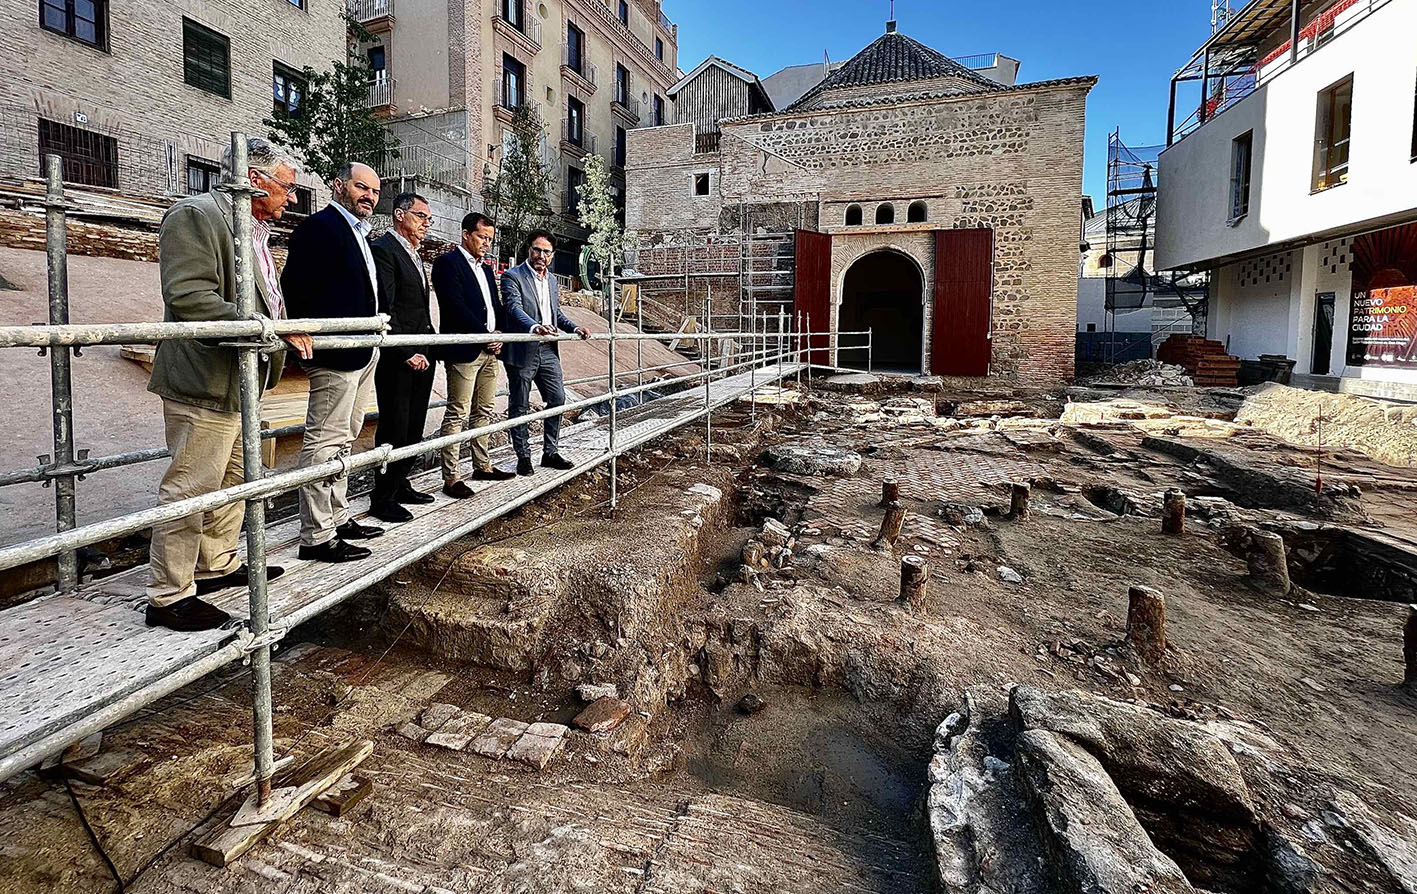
{"x": 1205, "y": 360}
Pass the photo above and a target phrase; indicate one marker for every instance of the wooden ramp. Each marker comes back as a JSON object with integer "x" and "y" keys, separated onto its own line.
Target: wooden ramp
{"x": 88, "y": 657}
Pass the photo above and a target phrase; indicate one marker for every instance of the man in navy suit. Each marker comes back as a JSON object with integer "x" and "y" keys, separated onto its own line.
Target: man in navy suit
{"x": 468, "y": 304}
{"x": 532, "y": 299}
{"x": 330, "y": 273}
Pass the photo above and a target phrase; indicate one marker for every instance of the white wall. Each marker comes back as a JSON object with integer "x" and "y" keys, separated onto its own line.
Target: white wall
{"x": 1251, "y": 305}
{"x": 1194, "y": 201}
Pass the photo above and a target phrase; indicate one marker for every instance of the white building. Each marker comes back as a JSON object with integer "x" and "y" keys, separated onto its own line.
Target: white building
{"x": 1295, "y": 184}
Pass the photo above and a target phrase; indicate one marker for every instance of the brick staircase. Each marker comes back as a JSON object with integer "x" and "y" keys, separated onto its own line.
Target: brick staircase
{"x": 1205, "y": 360}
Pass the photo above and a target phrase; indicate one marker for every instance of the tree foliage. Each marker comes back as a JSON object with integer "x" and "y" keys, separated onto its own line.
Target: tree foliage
{"x": 599, "y": 215}
{"x": 517, "y": 196}
{"x": 333, "y": 124}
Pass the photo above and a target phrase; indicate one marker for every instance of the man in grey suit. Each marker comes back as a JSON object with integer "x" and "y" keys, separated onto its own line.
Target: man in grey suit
{"x": 533, "y": 302}
{"x": 197, "y": 381}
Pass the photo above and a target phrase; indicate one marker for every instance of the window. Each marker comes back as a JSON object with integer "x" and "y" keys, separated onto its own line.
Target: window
{"x": 853, "y": 215}
{"x": 575, "y": 179}
{"x": 1332, "y": 131}
{"x": 885, "y": 214}
{"x": 202, "y": 175}
{"x": 622, "y": 85}
{"x": 623, "y": 11}
{"x": 87, "y": 157}
{"x": 620, "y": 147}
{"x": 701, "y": 184}
{"x": 575, "y": 49}
{"x": 288, "y": 87}
{"x": 659, "y": 111}
{"x": 1241, "y": 160}
{"x": 304, "y": 201}
{"x": 378, "y": 63}
{"x": 512, "y": 12}
{"x": 918, "y": 212}
{"x": 206, "y": 59}
{"x": 84, "y": 20}
{"x": 513, "y": 81}
{"x": 659, "y": 48}
{"x": 575, "y": 120}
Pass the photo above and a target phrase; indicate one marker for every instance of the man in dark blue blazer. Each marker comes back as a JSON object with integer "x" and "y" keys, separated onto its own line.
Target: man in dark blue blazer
{"x": 330, "y": 273}
{"x": 469, "y": 304}
{"x": 532, "y": 300}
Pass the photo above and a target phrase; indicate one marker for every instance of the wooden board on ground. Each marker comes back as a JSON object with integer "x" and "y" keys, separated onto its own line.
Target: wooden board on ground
{"x": 226, "y": 843}
{"x": 344, "y": 795}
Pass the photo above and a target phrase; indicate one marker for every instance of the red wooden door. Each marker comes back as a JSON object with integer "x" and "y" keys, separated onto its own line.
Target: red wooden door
{"x": 964, "y": 288}
{"x": 812, "y": 292}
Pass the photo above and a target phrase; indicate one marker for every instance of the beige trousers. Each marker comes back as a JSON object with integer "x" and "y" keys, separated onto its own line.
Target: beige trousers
{"x": 472, "y": 398}
{"x": 206, "y": 456}
{"x": 333, "y": 420}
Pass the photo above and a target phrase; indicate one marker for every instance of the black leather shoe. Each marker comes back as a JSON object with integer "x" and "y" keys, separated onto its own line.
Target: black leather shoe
{"x": 492, "y": 474}
{"x": 353, "y": 530}
{"x": 524, "y": 466}
{"x": 189, "y": 615}
{"x": 408, "y": 495}
{"x": 238, "y": 578}
{"x": 458, "y": 490}
{"x": 556, "y": 461}
{"x": 334, "y": 551}
{"x": 390, "y": 512}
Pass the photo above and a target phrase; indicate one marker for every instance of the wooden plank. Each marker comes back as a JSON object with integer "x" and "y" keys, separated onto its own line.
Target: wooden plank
{"x": 344, "y": 795}
{"x": 964, "y": 286}
{"x": 227, "y": 843}
{"x": 812, "y": 291}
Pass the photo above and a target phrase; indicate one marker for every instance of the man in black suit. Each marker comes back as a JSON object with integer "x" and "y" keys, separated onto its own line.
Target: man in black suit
{"x": 468, "y": 303}
{"x": 404, "y": 378}
{"x": 330, "y": 273}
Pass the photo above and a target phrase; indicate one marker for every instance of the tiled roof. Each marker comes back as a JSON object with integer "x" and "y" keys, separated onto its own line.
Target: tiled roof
{"x": 891, "y": 59}
{"x": 1088, "y": 81}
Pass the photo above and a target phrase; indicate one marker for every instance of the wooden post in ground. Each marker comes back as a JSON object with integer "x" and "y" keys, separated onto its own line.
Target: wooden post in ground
{"x": 891, "y": 525}
{"x": 1409, "y": 648}
{"x": 890, "y": 492}
{"x": 1146, "y": 623}
{"x": 1269, "y": 564}
{"x": 1019, "y": 495}
{"x": 914, "y": 577}
{"x": 1173, "y": 517}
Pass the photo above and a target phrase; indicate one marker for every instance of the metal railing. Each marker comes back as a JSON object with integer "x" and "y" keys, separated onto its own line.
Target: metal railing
{"x": 529, "y": 27}
{"x": 978, "y": 61}
{"x": 251, "y": 337}
{"x": 581, "y": 137}
{"x": 381, "y": 93}
{"x": 582, "y": 68}
{"x": 363, "y": 11}
{"x": 629, "y": 106}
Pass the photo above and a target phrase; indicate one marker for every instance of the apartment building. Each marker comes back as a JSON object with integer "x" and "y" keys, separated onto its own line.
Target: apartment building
{"x": 1294, "y": 181}
{"x": 450, "y": 74}
{"x": 140, "y": 96}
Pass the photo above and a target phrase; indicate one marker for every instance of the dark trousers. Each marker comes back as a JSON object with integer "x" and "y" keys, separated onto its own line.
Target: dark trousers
{"x": 403, "y": 394}
{"x": 543, "y": 368}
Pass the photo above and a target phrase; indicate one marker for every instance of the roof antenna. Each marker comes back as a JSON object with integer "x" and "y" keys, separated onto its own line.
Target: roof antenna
{"x": 890, "y": 25}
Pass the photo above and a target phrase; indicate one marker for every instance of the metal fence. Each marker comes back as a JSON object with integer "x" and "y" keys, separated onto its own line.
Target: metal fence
{"x": 762, "y": 345}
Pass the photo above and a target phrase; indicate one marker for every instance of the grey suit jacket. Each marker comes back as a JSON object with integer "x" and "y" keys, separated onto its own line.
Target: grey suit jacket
{"x": 523, "y": 314}
{"x": 197, "y": 266}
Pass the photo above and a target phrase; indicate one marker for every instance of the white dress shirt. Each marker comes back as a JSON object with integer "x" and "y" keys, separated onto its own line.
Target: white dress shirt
{"x": 361, "y": 235}
{"x": 413, "y": 255}
{"x": 543, "y": 297}
{"x": 480, "y": 272}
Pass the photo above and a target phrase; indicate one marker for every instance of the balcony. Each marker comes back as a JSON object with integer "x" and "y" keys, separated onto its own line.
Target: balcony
{"x": 611, "y": 22}
{"x": 381, "y": 94}
{"x": 374, "y": 15}
{"x": 626, "y": 107}
{"x": 708, "y": 143}
{"x": 527, "y": 34}
{"x": 1256, "y": 45}
{"x": 504, "y": 101}
{"x": 578, "y": 144}
{"x": 582, "y": 74}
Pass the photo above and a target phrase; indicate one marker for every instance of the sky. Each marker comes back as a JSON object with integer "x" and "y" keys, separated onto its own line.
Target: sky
{"x": 1132, "y": 47}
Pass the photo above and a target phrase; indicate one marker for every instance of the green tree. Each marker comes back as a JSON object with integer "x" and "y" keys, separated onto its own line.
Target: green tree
{"x": 333, "y": 124}
{"x": 517, "y": 197}
{"x": 599, "y": 215}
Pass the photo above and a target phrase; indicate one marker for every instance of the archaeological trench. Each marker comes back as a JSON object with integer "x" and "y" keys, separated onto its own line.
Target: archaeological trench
{"x": 886, "y": 635}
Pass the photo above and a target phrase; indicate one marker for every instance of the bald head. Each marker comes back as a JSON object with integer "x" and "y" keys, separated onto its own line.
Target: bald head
{"x": 356, "y": 187}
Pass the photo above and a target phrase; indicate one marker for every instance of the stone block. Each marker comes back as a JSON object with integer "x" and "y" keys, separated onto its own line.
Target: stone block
{"x": 602, "y": 716}
{"x": 499, "y": 737}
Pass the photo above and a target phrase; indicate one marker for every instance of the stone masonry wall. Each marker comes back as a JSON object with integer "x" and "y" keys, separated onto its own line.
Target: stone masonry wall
{"x": 135, "y": 90}
{"x": 659, "y": 182}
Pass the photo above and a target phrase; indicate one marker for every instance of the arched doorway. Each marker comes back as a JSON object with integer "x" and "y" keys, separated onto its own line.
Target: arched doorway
{"x": 884, "y": 292}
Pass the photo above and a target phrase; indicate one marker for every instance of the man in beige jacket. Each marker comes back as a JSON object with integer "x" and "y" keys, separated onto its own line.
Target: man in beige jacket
{"x": 198, "y": 383}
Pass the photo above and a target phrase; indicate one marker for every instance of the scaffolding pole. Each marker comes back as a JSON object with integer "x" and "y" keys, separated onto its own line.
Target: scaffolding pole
{"x": 61, "y": 385}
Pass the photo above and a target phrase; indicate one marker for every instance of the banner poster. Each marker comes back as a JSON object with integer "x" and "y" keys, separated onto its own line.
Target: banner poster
{"x": 1382, "y": 320}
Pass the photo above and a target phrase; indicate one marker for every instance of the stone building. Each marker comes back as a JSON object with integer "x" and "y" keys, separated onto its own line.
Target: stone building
{"x": 935, "y": 206}
{"x": 449, "y": 75}
{"x": 141, "y": 96}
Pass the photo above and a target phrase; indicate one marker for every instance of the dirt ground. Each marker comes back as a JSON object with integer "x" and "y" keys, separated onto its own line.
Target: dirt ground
{"x": 823, "y": 789}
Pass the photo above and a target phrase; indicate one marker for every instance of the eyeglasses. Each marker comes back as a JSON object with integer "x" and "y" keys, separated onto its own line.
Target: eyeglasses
{"x": 288, "y": 187}
{"x": 421, "y": 215}
{"x": 543, "y": 251}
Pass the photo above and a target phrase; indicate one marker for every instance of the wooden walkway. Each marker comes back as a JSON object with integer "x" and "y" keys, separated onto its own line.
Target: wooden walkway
{"x": 89, "y": 655}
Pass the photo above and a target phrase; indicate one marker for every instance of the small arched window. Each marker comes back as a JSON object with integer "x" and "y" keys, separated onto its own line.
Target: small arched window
{"x": 885, "y": 214}
{"x": 919, "y": 212}
{"x": 853, "y": 215}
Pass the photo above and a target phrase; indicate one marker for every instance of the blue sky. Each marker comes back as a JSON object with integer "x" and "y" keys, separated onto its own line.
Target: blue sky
{"x": 1133, "y": 47}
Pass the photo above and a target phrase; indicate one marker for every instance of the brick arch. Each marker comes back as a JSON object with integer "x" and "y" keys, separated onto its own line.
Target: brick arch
{"x": 866, "y": 252}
